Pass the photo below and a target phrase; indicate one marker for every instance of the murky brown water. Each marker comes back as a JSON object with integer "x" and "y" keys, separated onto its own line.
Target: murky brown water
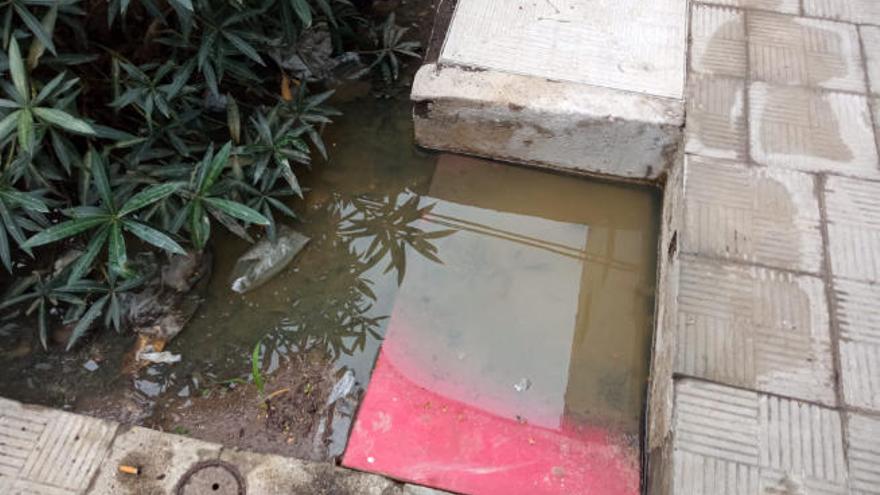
{"x": 574, "y": 257}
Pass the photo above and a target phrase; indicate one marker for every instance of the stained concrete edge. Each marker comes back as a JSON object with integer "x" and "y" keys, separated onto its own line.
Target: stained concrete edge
{"x": 45, "y": 451}
{"x": 536, "y": 121}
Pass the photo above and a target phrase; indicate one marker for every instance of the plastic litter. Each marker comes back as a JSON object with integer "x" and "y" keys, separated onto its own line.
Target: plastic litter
{"x": 266, "y": 259}
{"x": 342, "y": 388}
{"x": 159, "y": 357}
{"x": 523, "y": 385}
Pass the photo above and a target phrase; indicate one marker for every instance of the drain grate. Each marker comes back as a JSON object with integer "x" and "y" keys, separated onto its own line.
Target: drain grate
{"x": 211, "y": 478}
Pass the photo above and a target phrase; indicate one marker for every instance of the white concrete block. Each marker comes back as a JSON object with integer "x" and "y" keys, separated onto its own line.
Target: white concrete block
{"x": 535, "y": 121}
{"x": 783, "y": 6}
{"x": 627, "y": 45}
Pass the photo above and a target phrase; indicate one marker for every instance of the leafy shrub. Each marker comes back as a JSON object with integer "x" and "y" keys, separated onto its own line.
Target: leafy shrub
{"x": 159, "y": 120}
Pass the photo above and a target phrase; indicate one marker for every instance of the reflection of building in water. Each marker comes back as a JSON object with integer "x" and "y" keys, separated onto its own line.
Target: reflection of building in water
{"x": 547, "y": 293}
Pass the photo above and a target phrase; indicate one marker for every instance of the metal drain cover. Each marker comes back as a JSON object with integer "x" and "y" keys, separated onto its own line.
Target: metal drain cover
{"x": 211, "y": 478}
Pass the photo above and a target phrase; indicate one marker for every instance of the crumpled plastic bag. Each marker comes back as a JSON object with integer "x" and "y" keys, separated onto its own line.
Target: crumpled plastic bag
{"x": 266, "y": 259}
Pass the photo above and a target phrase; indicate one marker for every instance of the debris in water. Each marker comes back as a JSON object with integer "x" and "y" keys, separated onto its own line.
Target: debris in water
{"x": 159, "y": 357}
{"x": 523, "y": 385}
{"x": 91, "y": 365}
{"x": 342, "y": 388}
{"x": 263, "y": 261}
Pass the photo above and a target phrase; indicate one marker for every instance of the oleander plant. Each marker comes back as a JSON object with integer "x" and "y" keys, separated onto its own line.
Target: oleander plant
{"x": 153, "y": 123}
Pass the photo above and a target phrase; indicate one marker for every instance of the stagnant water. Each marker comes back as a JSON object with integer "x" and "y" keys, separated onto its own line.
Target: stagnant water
{"x": 526, "y": 291}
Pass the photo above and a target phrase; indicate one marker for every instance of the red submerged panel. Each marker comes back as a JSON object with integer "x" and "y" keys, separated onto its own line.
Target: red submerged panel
{"x": 409, "y": 432}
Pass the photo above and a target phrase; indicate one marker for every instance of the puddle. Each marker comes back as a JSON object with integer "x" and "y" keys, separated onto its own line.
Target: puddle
{"x": 519, "y": 357}
{"x": 508, "y": 294}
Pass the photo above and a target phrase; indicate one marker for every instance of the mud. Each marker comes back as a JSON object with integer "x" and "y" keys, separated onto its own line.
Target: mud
{"x": 292, "y": 417}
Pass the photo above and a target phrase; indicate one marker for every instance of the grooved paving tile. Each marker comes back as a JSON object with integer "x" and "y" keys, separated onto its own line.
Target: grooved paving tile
{"x": 756, "y": 328}
{"x": 716, "y": 124}
{"x": 808, "y": 52}
{"x": 49, "y": 452}
{"x": 730, "y": 441}
{"x": 853, "y": 211}
{"x": 864, "y": 453}
{"x": 856, "y": 11}
{"x": 629, "y": 45}
{"x": 860, "y": 367}
{"x": 784, "y": 6}
{"x": 871, "y": 42}
{"x": 718, "y": 41}
{"x": 816, "y": 131}
{"x": 750, "y": 214}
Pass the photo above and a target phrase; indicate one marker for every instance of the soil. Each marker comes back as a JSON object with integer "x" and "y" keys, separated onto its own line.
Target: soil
{"x": 292, "y": 418}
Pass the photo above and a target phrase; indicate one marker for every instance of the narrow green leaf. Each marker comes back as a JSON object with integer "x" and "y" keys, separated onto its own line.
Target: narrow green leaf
{"x": 64, "y": 120}
{"x": 8, "y": 124}
{"x": 148, "y": 196}
{"x": 303, "y": 11}
{"x": 35, "y": 26}
{"x": 13, "y": 227}
{"x": 83, "y": 264}
{"x": 200, "y": 226}
{"x": 85, "y": 322}
{"x": 187, "y": 4}
{"x": 99, "y": 173}
{"x": 49, "y": 88}
{"x": 26, "y": 130}
{"x": 215, "y": 168}
{"x": 244, "y": 47}
{"x": 290, "y": 177}
{"x": 5, "y": 256}
{"x": 233, "y": 119}
{"x": 152, "y": 236}
{"x": 64, "y": 230}
{"x": 238, "y": 210}
{"x": 256, "y": 372}
{"x": 116, "y": 251}
{"x": 38, "y": 47}
{"x": 16, "y": 68}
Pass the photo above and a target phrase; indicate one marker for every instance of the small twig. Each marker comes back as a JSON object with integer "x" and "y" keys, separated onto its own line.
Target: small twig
{"x": 276, "y": 394}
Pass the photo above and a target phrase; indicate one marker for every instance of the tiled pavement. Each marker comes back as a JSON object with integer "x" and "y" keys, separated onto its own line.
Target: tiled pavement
{"x": 773, "y": 321}
{"x": 51, "y": 452}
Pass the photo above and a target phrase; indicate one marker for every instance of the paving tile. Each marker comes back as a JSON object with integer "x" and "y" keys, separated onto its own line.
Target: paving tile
{"x": 716, "y": 124}
{"x": 46, "y": 452}
{"x": 810, "y": 130}
{"x": 163, "y": 459}
{"x": 853, "y": 211}
{"x": 857, "y": 11}
{"x": 784, "y": 6}
{"x": 860, "y": 369}
{"x": 718, "y": 41}
{"x": 755, "y": 328}
{"x": 863, "y": 433}
{"x": 871, "y": 42}
{"x": 733, "y": 441}
{"x": 751, "y": 214}
{"x": 807, "y": 52}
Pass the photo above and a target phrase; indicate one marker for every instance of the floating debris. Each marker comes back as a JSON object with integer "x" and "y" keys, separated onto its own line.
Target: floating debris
{"x": 523, "y": 385}
{"x": 266, "y": 259}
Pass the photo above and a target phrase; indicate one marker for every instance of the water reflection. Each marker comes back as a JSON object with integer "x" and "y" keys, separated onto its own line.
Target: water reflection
{"x": 371, "y": 236}
{"x": 534, "y": 329}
